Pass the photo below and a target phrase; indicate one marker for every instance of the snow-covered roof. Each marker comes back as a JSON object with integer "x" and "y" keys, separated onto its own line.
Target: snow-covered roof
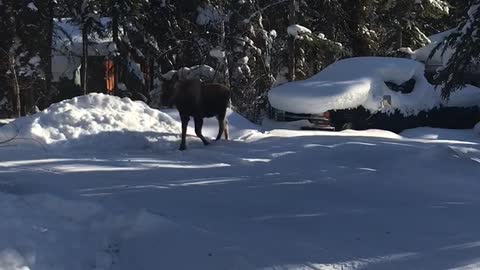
{"x": 67, "y": 46}
{"x": 68, "y": 38}
{"x": 355, "y": 82}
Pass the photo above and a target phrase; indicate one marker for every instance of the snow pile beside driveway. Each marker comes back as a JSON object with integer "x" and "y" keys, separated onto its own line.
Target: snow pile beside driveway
{"x": 97, "y": 121}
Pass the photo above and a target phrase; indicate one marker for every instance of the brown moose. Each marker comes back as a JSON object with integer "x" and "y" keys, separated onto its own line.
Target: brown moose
{"x": 197, "y": 99}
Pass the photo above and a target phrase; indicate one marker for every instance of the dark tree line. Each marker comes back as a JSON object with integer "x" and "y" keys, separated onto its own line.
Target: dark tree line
{"x": 245, "y": 44}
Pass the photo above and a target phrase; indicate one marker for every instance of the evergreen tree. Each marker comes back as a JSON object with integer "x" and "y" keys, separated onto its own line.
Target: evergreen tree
{"x": 461, "y": 51}
{"x": 404, "y": 23}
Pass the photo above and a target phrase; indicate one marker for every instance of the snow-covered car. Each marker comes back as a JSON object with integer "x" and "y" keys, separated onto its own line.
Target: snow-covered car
{"x": 373, "y": 92}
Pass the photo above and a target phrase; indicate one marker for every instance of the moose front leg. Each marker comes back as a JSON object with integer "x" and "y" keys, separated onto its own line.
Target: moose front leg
{"x": 183, "y": 144}
{"x": 198, "y": 129}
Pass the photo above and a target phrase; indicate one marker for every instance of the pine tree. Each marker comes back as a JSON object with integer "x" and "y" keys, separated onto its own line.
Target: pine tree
{"x": 404, "y": 23}
{"x": 20, "y": 49}
{"x": 461, "y": 52}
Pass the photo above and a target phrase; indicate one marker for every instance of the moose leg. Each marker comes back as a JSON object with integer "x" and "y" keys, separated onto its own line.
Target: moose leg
{"x": 221, "y": 126}
{"x": 183, "y": 144}
{"x": 226, "y": 130}
{"x": 198, "y": 130}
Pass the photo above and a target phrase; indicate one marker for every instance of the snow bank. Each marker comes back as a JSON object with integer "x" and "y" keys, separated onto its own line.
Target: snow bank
{"x": 440, "y": 134}
{"x": 99, "y": 121}
{"x": 6, "y": 121}
{"x": 476, "y": 129}
{"x": 354, "y": 82}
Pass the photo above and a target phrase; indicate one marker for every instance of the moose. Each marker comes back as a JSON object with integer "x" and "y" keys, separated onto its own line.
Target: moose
{"x": 197, "y": 99}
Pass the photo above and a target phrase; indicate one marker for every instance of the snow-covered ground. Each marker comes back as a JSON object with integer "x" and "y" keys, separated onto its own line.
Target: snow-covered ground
{"x": 276, "y": 199}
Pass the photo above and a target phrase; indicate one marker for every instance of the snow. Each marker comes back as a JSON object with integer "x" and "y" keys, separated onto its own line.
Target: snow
{"x": 208, "y": 15}
{"x": 68, "y": 38}
{"x": 440, "y": 5}
{"x": 217, "y": 53}
{"x": 298, "y": 31}
{"x": 439, "y": 57}
{"x": 354, "y": 82}
{"x": 198, "y": 71}
{"x": 468, "y": 96}
{"x": 243, "y": 60}
{"x": 238, "y": 126}
{"x": 35, "y": 61}
{"x": 136, "y": 69}
{"x": 5, "y": 121}
{"x": 122, "y": 87}
{"x": 276, "y": 199}
{"x": 32, "y": 6}
{"x": 49, "y": 230}
{"x": 273, "y": 33}
{"x": 112, "y": 48}
{"x": 86, "y": 122}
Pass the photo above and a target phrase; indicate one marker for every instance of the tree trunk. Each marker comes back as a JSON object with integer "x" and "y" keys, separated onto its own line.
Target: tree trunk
{"x": 16, "y": 86}
{"x": 17, "y": 108}
{"x": 360, "y": 46}
{"x": 292, "y": 19}
{"x": 224, "y": 64}
{"x": 49, "y": 47}
{"x": 84, "y": 67}
{"x": 116, "y": 41}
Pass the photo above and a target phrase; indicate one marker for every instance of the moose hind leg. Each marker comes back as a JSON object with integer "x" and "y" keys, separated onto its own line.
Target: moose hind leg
{"x": 198, "y": 130}
{"x": 226, "y": 130}
{"x": 221, "y": 126}
{"x": 183, "y": 144}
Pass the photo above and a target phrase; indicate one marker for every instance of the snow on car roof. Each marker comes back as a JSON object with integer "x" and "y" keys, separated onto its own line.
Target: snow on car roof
{"x": 354, "y": 82}
{"x": 360, "y": 81}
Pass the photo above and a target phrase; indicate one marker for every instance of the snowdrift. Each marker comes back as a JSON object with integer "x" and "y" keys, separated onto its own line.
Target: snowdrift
{"x": 361, "y": 81}
{"x": 98, "y": 121}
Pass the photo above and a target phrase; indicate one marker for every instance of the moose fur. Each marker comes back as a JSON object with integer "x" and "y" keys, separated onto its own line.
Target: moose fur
{"x": 199, "y": 100}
